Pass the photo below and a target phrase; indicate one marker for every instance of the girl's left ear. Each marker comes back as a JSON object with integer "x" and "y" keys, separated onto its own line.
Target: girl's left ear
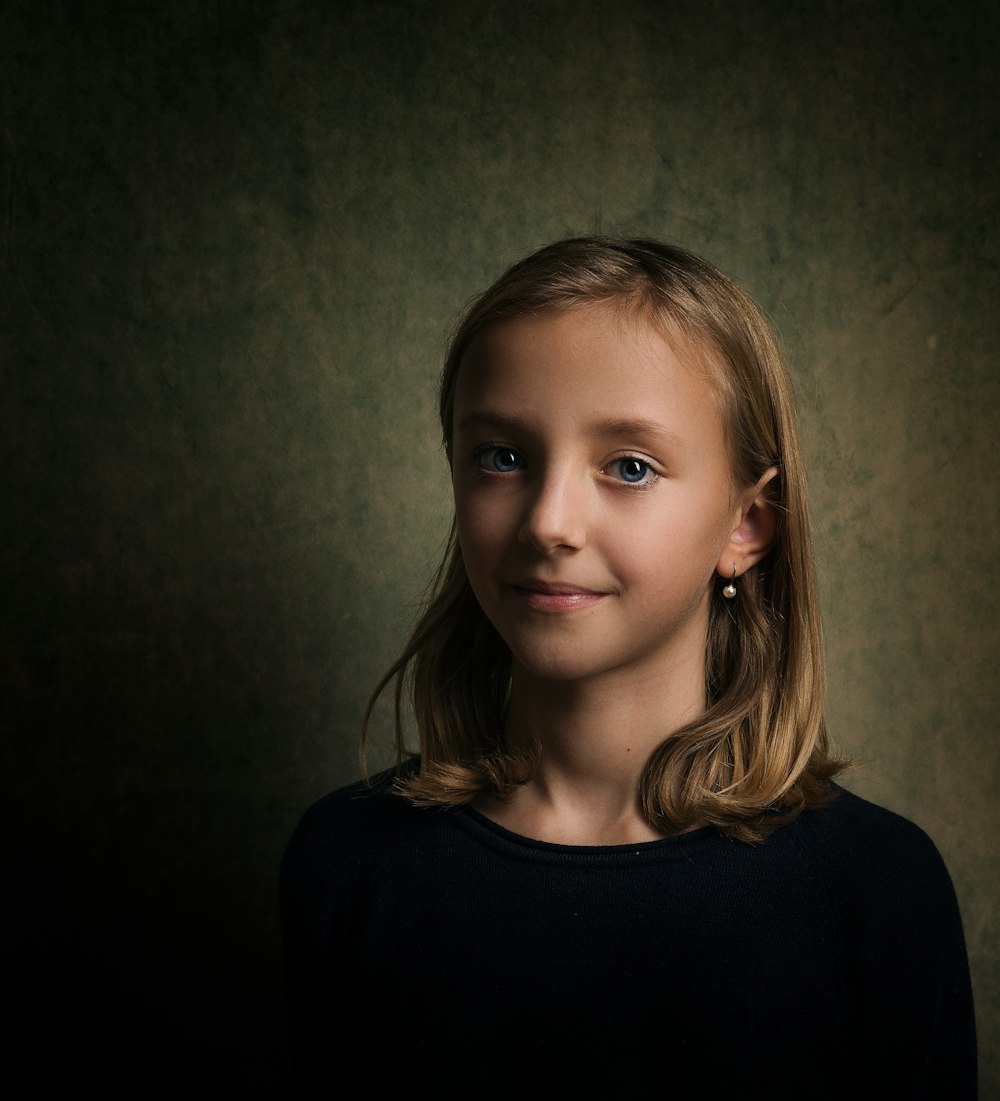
{"x": 755, "y": 530}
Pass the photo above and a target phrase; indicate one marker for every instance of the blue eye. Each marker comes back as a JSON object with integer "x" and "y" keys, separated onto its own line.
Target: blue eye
{"x": 633, "y": 470}
{"x": 500, "y": 460}
{"x": 505, "y": 460}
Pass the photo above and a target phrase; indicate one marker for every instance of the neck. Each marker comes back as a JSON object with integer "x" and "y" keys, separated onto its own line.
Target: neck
{"x": 594, "y": 738}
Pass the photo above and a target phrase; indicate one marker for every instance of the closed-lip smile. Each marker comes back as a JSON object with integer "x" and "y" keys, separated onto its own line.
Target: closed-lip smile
{"x": 554, "y": 596}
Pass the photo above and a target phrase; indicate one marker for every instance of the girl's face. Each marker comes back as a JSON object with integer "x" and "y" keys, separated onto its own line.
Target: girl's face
{"x": 593, "y": 493}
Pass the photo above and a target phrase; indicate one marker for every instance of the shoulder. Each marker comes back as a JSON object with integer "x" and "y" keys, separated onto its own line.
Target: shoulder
{"x": 369, "y": 802}
{"x": 898, "y": 928}
{"x": 345, "y": 829}
{"x": 852, "y": 825}
{"x": 868, "y": 854}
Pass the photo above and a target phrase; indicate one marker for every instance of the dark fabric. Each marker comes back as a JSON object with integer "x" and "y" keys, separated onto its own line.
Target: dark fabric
{"x": 425, "y": 946}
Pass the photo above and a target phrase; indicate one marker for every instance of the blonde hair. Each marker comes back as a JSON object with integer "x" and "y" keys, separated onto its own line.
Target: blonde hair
{"x": 759, "y": 754}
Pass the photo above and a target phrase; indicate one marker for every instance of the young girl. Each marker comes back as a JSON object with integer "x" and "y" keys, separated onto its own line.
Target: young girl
{"x": 618, "y": 860}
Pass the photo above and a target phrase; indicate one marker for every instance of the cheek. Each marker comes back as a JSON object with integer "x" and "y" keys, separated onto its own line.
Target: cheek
{"x": 485, "y": 513}
{"x": 480, "y": 533}
{"x": 681, "y": 545}
{"x": 482, "y": 547}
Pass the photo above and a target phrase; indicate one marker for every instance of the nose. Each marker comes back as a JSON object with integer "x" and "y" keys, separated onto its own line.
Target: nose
{"x": 556, "y": 513}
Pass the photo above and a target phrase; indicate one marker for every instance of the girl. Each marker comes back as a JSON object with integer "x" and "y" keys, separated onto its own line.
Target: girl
{"x": 619, "y": 858}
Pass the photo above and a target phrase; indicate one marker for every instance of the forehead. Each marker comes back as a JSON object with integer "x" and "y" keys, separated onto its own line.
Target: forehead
{"x": 611, "y": 352}
{"x": 587, "y": 374}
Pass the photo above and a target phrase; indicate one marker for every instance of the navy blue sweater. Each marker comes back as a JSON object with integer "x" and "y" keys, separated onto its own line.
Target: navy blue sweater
{"x": 431, "y": 945}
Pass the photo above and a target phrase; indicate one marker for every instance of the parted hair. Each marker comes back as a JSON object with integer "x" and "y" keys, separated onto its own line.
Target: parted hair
{"x": 759, "y": 753}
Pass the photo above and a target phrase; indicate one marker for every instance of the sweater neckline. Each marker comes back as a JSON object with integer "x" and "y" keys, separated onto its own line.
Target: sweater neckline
{"x": 499, "y": 837}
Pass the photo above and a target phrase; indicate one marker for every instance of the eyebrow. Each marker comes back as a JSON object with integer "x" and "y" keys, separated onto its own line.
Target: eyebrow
{"x": 608, "y": 426}
{"x": 627, "y": 426}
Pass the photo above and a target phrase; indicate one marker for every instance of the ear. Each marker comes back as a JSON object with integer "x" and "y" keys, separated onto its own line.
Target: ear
{"x": 756, "y": 525}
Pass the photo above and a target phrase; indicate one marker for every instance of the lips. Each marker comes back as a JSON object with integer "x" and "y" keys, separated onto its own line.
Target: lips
{"x": 550, "y": 596}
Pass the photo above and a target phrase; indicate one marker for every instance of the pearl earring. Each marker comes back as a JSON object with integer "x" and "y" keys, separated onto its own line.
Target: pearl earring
{"x": 729, "y": 591}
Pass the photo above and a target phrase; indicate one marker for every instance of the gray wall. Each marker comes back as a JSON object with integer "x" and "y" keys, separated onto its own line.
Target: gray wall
{"x": 233, "y": 237}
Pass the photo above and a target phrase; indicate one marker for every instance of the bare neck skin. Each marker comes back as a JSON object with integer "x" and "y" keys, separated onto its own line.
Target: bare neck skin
{"x": 594, "y": 739}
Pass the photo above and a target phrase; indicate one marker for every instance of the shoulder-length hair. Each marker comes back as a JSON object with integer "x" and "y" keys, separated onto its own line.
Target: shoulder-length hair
{"x": 759, "y": 753}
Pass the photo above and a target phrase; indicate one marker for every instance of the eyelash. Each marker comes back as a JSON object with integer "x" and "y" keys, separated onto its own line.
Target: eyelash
{"x": 648, "y": 480}
{"x": 482, "y": 453}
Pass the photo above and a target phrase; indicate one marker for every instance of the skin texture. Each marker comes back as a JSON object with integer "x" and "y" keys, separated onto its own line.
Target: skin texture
{"x": 595, "y": 511}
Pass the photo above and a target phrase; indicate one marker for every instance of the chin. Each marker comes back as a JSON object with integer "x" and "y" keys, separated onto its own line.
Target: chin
{"x": 560, "y": 667}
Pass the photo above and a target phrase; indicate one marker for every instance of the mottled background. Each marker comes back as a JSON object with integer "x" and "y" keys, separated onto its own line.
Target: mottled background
{"x": 233, "y": 237}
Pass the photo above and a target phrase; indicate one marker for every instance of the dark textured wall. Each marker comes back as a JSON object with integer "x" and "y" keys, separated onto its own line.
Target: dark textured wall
{"x": 232, "y": 238}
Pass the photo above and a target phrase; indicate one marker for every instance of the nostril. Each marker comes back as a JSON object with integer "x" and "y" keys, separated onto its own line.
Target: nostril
{"x": 547, "y": 533}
